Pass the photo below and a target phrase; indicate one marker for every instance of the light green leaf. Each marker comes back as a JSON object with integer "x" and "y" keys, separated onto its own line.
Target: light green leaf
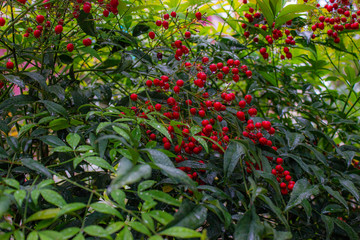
{"x": 73, "y": 139}
{"x": 107, "y": 209}
{"x": 44, "y": 214}
{"x": 100, "y": 163}
{"x": 181, "y": 232}
{"x": 53, "y": 197}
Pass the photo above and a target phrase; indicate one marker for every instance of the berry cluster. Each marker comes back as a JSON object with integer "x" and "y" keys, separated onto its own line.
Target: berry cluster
{"x": 189, "y": 99}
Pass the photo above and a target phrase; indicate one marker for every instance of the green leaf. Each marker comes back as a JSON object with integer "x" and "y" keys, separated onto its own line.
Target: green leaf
{"x": 119, "y": 196}
{"x": 52, "y": 141}
{"x": 159, "y": 157}
{"x": 17, "y": 101}
{"x": 102, "y": 125}
{"x": 15, "y": 79}
{"x": 54, "y": 108}
{"x": 12, "y": 183}
{"x": 96, "y": 231}
{"x": 294, "y": 139}
{"x": 100, "y": 163}
{"x": 284, "y": 18}
{"x": 44, "y": 214}
{"x": 122, "y": 133}
{"x": 161, "y": 196}
{"x": 249, "y": 226}
{"x": 139, "y": 29}
{"x": 92, "y": 52}
{"x": 336, "y": 195}
{"x": 302, "y": 190}
{"x": 107, "y": 209}
{"x": 24, "y": 129}
{"x": 32, "y": 236}
{"x": 139, "y": 227}
{"x": 73, "y": 139}
{"x": 50, "y": 235}
{"x": 71, "y": 207}
{"x": 87, "y": 23}
{"x": 127, "y": 173}
{"x": 4, "y": 204}
{"x": 145, "y": 185}
{"x": 347, "y": 228}
{"x": 19, "y": 196}
{"x": 36, "y": 166}
{"x": 329, "y": 225}
{"x": 266, "y": 10}
{"x": 124, "y": 234}
{"x": 66, "y": 59}
{"x": 181, "y": 232}
{"x": 319, "y": 156}
{"x": 295, "y": 8}
{"x": 189, "y": 215}
{"x": 349, "y": 185}
{"x": 19, "y": 235}
{"x": 69, "y": 232}
{"x": 275, "y": 209}
{"x": 234, "y": 152}
{"x": 53, "y": 197}
{"x": 63, "y": 149}
{"x": 176, "y": 174}
{"x": 160, "y": 128}
{"x": 114, "y": 227}
{"x": 202, "y": 142}
{"x": 136, "y": 135}
{"x": 162, "y": 217}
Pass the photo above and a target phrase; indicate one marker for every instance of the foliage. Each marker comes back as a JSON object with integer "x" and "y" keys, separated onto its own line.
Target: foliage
{"x": 119, "y": 121}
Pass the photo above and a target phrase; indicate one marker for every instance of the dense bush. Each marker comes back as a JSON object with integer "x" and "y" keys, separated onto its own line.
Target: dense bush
{"x": 197, "y": 119}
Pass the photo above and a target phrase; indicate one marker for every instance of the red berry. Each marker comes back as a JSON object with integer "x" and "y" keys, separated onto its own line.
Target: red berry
{"x": 87, "y": 8}
{"x": 152, "y": 35}
{"x": 282, "y": 185}
{"x": 173, "y": 14}
{"x": 287, "y": 178}
{"x": 187, "y": 34}
{"x": 9, "y": 65}
{"x": 133, "y": 97}
{"x": 279, "y": 161}
{"x": 180, "y": 83}
{"x": 40, "y": 18}
{"x": 149, "y": 83}
{"x": 284, "y": 191}
{"x": 242, "y": 104}
{"x": 87, "y": 42}
{"x": 248, "y": 73}
{"x": 58, "y": 29}
{"x": 166, "y": 16}
{"x": 158, "y": 23}
{"x": 248, "y": 99}
{"x": 70, "y": 47}
{"x": 198, "y": 15}
{"x": 2, "y": 21}
{"x": 240, "y": 115}
{"x": 167, "y": 145}
{"x": 158, "y": 107}
{"x": 37, "y": 33}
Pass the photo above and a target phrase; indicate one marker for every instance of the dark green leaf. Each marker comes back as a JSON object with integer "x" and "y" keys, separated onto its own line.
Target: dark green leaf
{"x": 302, "y": 190}
{"x": 36, "y": 166}
{"x": 54, "y": 108}
{"x": 235, "y": 152}
{"x": 87, "y": 23}
{"x": 139, "y": 29}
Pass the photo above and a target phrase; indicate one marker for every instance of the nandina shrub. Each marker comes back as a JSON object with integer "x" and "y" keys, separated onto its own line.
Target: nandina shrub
{"x": 119, "y": 123}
